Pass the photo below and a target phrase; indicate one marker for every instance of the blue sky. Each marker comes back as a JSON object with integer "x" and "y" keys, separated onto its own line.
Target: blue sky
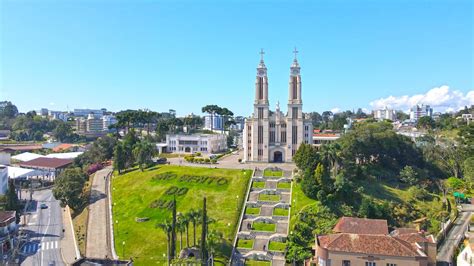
{"x": 184, "y": 55}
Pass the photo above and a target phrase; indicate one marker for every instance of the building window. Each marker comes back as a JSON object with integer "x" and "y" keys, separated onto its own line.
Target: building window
{"x": 391, "y": 264}
{"x": 283, "y": 137}
{"x": 346, "y": 263}
{"x": 260, "y": 112}
{"x": 294, "y": 113}
{"x": 370, "y": 263}
{"x": 272, "y": 136}
{"x": 260, "y": 88}
{"x": 294, "y": 135}
{"x": 260, "y": 134}
{"x": 295, "y": 87}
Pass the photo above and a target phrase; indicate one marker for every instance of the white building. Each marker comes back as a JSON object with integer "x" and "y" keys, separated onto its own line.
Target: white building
{"x": 86, "y": 112}
{"x": 385, "y": 114}
{"x": 108, "y": 120}
{"x": 216, "y": 122}
{"x": 418, "y": 111}
{"x": 274, "y": 136}
{"x": 204, "y": 143}
{"x": 58, "y": 115}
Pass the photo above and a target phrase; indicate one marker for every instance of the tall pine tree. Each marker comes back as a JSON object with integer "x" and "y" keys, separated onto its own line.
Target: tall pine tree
{"x": 204, "y": 234}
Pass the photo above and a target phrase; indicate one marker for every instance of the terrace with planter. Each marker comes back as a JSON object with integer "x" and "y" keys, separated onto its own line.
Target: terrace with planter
{"x": 264, "y": 227}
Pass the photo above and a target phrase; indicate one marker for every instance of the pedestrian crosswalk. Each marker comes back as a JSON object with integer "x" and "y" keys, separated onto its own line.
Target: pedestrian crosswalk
{"x": 49, "y": 245}
{"x": 33, "y": 247}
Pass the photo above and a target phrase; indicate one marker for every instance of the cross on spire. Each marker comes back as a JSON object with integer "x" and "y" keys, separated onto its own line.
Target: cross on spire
{"x": 295, "y": 52}
{"x": 261, "y": 54}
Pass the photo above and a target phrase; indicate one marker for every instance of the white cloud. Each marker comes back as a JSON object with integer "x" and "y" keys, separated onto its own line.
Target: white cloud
{"x": 336, "y": 110}
{"x": 441, "y": 99}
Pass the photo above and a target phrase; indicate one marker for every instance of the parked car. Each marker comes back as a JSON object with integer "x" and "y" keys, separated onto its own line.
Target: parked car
{"x": 43, "y": 206}
{"x": 161, "y": 161}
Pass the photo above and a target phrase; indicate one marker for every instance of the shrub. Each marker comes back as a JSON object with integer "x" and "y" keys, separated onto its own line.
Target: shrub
{"x": 94, "y": 168}
{"x": 207, "y": 160}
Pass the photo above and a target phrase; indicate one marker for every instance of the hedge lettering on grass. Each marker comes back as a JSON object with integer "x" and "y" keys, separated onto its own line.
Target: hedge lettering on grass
{"x": 209, "y": 180}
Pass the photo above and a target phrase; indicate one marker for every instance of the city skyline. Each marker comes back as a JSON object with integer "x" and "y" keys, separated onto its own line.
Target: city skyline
{"x": 182, "y": 56}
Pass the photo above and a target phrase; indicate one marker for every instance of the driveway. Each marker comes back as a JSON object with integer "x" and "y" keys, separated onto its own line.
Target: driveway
{"x": 454, "y": 237}
{"x": 98, "y": 245}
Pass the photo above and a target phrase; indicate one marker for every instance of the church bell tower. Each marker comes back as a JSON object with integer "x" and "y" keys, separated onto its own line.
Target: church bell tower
{"x": 295, "y": 109}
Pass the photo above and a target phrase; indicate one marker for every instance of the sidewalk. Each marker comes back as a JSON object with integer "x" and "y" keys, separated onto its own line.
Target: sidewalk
{"x": 68, "y": 242}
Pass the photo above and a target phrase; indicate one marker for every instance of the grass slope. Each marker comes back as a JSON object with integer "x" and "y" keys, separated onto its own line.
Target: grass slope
{"x": 378, "y": 190}
{"x": 134, "y": 191}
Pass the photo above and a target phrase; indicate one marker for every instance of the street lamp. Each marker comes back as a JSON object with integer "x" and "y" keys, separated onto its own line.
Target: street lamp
{"x": 237, "y": 197}
{"x": 123, "y": 249}
{"x": 116, "y": 227}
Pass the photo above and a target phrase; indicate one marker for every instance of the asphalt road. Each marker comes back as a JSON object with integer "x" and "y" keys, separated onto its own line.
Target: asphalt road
{"x": 455, "y": 235}
{"x": 45, "y": 230}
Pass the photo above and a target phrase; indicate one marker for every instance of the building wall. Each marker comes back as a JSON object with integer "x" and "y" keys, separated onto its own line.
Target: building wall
{"x": 217, "y": 122}
{"x": 357, "y": 259}
{"x": 3, "y": 180}
{"x": 206, "y": 143}
{"x": 5, "y": 158}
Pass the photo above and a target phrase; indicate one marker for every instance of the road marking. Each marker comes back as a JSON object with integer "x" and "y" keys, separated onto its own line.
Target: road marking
{"x": 45, "y": 231}
{"x": 56, "y": 244}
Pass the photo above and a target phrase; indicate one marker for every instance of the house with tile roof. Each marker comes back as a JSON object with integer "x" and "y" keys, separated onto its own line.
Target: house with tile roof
{"x": 367, "y": 242}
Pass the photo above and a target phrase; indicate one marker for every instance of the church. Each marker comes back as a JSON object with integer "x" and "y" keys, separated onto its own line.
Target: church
{"x": 272, "y": 136}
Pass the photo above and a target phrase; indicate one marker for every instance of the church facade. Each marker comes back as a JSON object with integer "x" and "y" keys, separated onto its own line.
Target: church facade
{"x": 272, "y": 136}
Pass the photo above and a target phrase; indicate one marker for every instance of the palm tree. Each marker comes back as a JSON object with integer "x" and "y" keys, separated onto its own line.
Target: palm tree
{"x": 194, "y": 216}
{"x": 167, "y": 228}
{"x": 186, "y": 220}
{"x": 181, "y": 227}
{"x": 214, "y": 240}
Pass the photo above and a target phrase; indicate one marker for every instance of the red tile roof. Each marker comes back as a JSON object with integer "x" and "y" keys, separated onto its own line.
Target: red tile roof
{"x": 354, "y": 225}
{"x": 7, "y": 217}
{"x": 45, "y": 162}
{"x": 21, "y": 147}
{"x": 368, "y": 244}
{"x": 325, "y": 135}
{"x": 63, "y": 147}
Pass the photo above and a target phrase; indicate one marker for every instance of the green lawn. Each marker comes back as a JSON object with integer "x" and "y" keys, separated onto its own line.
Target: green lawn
{"x": 271, "y": 173}
{"x": 254, "y": 211}
{"x": 258, "y": 184}
{"x": 257, "y": 263}
{"x": 284, "y": 185}
{"x": 257, "y": 226}
{"x": 280, "y": 212}
{"x": 267, "y": 197}
{"x": 277, "y": 246}
{"x": 245, "y": 243}
{"x": 299, "y": 202}
{"x": 147, "y": 194}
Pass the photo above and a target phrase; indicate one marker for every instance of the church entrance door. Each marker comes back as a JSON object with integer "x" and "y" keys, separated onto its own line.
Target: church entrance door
{"x": 277, "y": 157}
{"x": 187, "y": 149}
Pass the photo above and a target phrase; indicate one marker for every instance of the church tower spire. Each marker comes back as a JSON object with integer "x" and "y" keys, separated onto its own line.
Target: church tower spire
{"x": 261, "y": 83}
{"x": 294, "y": 90}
